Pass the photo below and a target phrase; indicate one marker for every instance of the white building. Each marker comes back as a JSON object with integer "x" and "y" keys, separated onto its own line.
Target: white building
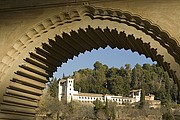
{"x": 136, "y": 94}
{"x": 66, "y": 91}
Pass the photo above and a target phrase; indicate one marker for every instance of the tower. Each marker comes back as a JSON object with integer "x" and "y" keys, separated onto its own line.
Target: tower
{"x": 62, "y": 89}
{"x": 69, "y": 89}
{"x": 66, "y": 89}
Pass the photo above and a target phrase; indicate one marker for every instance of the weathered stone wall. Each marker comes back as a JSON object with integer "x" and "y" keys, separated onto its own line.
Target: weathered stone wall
{"x": 13, "y": 24}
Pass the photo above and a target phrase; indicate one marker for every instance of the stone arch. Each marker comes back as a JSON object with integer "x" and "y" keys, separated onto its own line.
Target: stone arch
{"x": 37, "y": 54}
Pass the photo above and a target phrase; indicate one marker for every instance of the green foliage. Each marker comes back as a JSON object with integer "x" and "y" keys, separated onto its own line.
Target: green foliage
{"x": 142, "y": 99}
{"x": 119, "y": 81}
{"x": 99, "y": 72}
{"x": 107, "y": 109}
{"x": 168, "y": 116}
{"x": 53, "y": 87}
{"x": 98, "y": 105}
{"x": 114, "y": 85}
{"x": 60, "y": 110}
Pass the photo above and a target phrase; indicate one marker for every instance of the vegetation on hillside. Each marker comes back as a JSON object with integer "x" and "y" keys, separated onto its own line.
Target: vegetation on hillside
{"x": 118, "y": 81}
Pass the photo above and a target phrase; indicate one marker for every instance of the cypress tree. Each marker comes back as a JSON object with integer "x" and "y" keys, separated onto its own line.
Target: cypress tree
{"x": 142, "y": 99}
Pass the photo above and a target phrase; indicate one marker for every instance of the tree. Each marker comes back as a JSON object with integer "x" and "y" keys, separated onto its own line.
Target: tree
{"x": 112, "y": 72}
{"x": 105, "y": 111}
{"x": 116, "y": 81}
{"x": 50, "y": 106}
{"x": 112, "y": 110}
{"x": 136, "y": 76}
{"x": 174, "y": 92}
{"x": 53, "y": 87}
{"x": 99, "y": 72}
{"x": 115, "y": 85}
{"x": 167, "y": 87}
{"x": 147, "y": 66}
{"x": 134, "y": 82}
{"x": 168, "y": 116}
{"x": 142, "y": 99}
{"x": 98, "y": 107}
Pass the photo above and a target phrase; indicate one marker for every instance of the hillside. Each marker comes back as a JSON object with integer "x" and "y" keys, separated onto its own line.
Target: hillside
{"x": 119, "y": 81}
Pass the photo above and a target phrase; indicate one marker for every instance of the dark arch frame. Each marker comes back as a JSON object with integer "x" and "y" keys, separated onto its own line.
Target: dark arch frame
{"x": 22, "y": 94}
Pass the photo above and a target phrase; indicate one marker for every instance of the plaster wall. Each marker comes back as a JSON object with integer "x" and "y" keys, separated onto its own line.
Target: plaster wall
{"x": 13, "y": 24}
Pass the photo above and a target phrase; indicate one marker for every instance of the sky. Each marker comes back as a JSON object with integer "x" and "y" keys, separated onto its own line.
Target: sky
{"x": 110, "y": 57}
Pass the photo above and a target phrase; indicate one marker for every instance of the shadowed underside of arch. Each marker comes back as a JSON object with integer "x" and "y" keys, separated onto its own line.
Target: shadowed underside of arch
{"x": 22, "y": 93}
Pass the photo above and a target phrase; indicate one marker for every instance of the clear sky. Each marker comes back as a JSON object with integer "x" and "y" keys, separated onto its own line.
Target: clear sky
{"x": 110, "y": 57}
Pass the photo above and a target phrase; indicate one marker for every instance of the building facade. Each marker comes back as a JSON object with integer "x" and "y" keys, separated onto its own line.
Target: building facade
{"x": 152, "y": 103}
{"x": 67, "y": 92}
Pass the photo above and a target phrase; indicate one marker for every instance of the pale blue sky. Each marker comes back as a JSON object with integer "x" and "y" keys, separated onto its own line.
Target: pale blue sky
{"x": 108, "y": 56}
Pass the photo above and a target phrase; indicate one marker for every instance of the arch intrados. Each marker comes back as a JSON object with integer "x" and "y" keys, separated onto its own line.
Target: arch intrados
{"x": 112, "y": 41}
{"x": 95, "y": 13}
